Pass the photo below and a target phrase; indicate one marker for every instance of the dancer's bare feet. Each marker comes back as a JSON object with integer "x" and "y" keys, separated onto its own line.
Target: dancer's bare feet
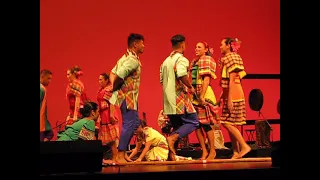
{"x": 235, "y": 155}
{"x": 121, "y": 157}
{"x": 244, "y": 150}
{"x": 108, "y": 161}
{"x": 211, "y": 156}
{"x": 204, "y": 154}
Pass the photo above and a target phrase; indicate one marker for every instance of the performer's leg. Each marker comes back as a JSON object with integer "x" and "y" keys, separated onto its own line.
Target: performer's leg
{"x": 114, "y": 150}
{"x": 190, "y": 123}
{"x": 130, "y": 122}
{"x": 176, "y": 123}
{"x": 210, "y": 135}
{"x": 202, "y": 143}
{"x": 235, "y": 146}
{"x": 245, "y": 148}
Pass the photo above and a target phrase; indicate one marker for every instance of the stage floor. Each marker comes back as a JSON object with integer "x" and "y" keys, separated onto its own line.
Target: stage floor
{"x": 195, "y": 165}
{"x": 185, "y": 167}
{"x": 248, "y": 168}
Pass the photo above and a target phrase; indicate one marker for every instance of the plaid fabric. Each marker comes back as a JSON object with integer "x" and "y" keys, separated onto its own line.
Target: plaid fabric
{"x": 75, "y": 89}
{"x": 207, "y": 114}
{"x": 130, "y": 88}
{"x": 107, "y": 92}
{"x": 109, "y": 133}
{"x": 235, "y": 117}
{"x": 231, "y": 62}
{"x": 204, "y": 66}
{"x": 104, "y": 95}
{"x": 207, "y": 66}
{"x": 183, "y": 100}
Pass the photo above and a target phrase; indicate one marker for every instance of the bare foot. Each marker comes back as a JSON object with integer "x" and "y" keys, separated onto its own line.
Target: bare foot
{"x": 235, "y": 155}
{"x": 171, "y": 145}
{"x": 244, "y": 150}
{"x": 211, "y": 156}
{"x": 108, "y": 161}
{"x": 115, "y": 159}
{"x": 204, "y": 154}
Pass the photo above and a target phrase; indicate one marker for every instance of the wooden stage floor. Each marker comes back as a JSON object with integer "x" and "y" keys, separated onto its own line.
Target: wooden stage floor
{"x": 249, "y": 168}
{"x": 185, "y": 167}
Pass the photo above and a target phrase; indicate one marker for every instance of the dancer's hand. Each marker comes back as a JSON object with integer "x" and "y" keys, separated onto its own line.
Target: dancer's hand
{"x": 202, "y": 101}
{"x": 126, "y": 157}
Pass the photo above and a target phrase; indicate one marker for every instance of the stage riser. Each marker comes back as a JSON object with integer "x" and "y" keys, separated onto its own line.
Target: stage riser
{"x": 248, "y": 174}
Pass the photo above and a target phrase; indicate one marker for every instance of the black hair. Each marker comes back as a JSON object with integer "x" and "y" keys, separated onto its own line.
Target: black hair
{"x": 45, "y": 72}
{"x": 75, "y": 69}
{"x": 228, "y": 41}
{"x": 105, "y": 75}
{"x": 176, "y": 40}
{"x": 143, "y": 123}
{"x": 133, "y": 37}
{"x": 87, "y": 108}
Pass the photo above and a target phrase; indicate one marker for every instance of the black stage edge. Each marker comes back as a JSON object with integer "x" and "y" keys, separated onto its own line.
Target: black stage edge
{"x": 254, "y": 174}
{"x": 70, "y": 157}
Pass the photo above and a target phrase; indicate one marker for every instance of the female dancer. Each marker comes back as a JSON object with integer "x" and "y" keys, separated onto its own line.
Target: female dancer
{"x": 234, "y": 109}
{"x": 202, "y": 71}
{"x": 109, "y": 127}
{"x": 75, "y": 94}
{"x": 155, "y": 144}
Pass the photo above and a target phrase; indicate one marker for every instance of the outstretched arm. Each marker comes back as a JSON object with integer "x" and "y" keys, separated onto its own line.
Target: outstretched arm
{"x": 145, "y": 150}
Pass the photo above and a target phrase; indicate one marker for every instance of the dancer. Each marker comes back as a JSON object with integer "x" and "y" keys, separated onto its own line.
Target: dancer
{"x": 155, "y": 144}
{"x": 125, "y": 80}
{"x": 75, "y": 94}
{"x": 83, "y": 128}
{"x": 46, "y": 133}
{"x": 202, "y": 71}
{"x": 109, "y": 127}
{"x": 177, "y": 105}
{"x": 234, "y": 109}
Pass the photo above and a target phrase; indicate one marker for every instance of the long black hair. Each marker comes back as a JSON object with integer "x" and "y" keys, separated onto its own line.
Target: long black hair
{"x": 87, "y": 108}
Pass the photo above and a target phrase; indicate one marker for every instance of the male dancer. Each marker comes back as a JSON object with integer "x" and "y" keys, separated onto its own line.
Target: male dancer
{"x": 125, "y": 80}
{"x": 176, "y": 103}
{"x": 45, "y": 127}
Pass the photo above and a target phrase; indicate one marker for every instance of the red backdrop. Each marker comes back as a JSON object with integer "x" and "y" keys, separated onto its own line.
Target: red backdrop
{"x": 93, "y": 34}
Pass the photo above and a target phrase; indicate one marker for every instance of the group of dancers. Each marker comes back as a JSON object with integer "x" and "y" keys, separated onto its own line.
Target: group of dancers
{"x": 189, "y": 102}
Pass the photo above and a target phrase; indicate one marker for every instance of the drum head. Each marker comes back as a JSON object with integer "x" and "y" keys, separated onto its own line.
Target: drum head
{"x": 256, "y": 99}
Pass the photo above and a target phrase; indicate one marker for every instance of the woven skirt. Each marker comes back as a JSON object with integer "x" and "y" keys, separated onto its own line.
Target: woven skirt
{"x": 235, "y": 117}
